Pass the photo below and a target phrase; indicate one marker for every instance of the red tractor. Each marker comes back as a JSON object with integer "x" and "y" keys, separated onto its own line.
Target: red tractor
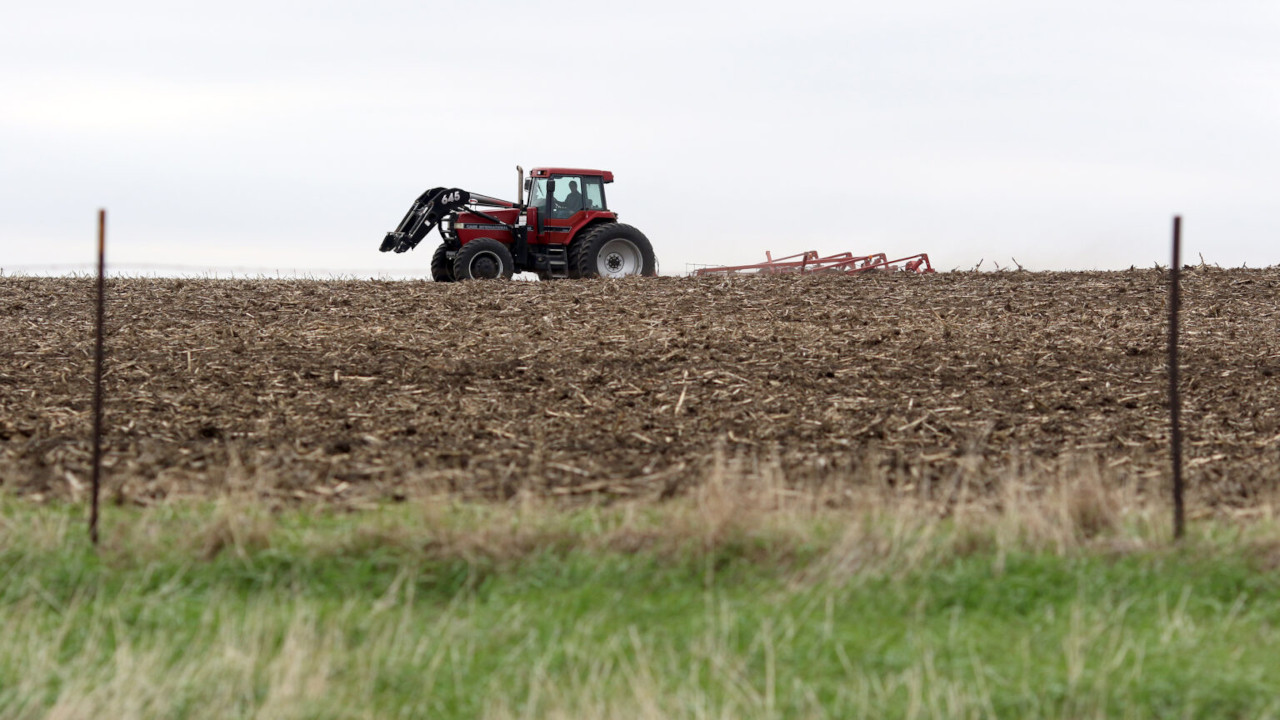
{"x": 565, "y": 231}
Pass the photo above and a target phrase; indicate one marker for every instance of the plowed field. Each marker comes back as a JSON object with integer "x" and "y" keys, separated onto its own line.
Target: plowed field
{"x": 365, "y": 390}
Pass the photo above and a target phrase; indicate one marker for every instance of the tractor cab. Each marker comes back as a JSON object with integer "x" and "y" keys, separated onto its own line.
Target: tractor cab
{"x": 571, "y": 191}
{"x": 562, "y": 202}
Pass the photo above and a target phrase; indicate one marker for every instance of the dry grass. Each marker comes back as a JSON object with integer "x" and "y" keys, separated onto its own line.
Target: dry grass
{"x": 285, "y": 652}
{"x": 744, "y": 507}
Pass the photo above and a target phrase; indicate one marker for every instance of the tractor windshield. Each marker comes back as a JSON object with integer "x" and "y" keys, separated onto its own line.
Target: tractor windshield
{"x": 538, "y": 193}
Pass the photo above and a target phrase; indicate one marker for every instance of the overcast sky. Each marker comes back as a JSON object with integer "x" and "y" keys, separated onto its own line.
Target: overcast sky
{"x": 293, "y": 135}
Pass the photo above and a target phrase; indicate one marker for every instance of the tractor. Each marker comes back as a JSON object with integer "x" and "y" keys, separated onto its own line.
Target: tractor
{"x": 565, "y": 231}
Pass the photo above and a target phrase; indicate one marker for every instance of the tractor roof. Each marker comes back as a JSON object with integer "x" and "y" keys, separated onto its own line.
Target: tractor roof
{"x": 605, "y": 175}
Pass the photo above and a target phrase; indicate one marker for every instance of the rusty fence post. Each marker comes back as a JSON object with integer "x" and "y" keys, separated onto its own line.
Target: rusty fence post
{"x": 1175, "y": 399}
{"x": 97, "y": 375}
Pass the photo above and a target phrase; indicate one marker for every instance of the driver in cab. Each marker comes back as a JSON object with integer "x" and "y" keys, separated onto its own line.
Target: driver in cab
{"x": 573, "y": 201}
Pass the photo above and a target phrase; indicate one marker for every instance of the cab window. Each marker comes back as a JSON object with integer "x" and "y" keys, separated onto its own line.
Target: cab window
{"x": 567, "y": 196}
{"x": 593, "y": 191}
{"x": 538, "y": 193}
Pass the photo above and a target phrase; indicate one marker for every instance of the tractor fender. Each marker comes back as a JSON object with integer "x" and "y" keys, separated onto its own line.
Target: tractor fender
{"x": 575, "y": 242}
{"x": 591, "y": 225}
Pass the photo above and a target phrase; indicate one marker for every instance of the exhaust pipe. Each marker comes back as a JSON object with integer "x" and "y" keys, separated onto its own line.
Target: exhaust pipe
{"x": 520, "y": 186}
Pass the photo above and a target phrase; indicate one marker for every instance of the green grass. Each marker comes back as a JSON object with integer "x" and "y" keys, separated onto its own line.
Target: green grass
{"x": 669, "y": 611}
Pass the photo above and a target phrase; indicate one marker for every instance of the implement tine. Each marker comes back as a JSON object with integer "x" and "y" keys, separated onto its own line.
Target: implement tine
{"x": 809, "y": 261}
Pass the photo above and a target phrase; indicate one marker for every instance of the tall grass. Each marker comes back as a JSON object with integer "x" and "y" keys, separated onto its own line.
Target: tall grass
{"x": 746, "y": 599}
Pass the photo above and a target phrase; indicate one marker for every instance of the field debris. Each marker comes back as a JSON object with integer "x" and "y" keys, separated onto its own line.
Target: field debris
{"x": 361, "y": 391}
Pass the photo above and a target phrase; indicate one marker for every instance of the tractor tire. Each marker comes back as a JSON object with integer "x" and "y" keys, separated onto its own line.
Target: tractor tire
{"x": 483, "y": 259}
{"x": 571, "y": 255}
{"x": 441, "y": 265}
{"x": 615, "y": 250}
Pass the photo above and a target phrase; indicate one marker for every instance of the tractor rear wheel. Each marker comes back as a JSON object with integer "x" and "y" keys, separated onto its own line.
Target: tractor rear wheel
{"x": 441, "y": 265}
{"x": 575, "y": 247}
{"x": 484, "y": 259}
{"x": 615, "y": 250}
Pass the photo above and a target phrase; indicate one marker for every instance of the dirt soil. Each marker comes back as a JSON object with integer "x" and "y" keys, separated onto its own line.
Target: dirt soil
{"x": 589, "y": 389}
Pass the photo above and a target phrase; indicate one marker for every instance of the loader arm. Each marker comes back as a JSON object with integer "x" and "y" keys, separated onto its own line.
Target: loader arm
{"x": 429, "y": 209}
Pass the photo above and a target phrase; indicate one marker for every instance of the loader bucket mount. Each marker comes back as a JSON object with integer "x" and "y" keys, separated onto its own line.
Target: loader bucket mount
{"x": 430, "y": 209}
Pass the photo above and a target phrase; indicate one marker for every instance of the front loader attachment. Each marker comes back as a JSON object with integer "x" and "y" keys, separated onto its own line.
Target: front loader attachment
{"x": 428, "y": 210}
{"x": 430, "y": 207}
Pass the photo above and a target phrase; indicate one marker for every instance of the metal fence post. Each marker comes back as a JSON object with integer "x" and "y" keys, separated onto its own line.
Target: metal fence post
{"x": 97, "y": 375}
{"x": 1175, "y": 399}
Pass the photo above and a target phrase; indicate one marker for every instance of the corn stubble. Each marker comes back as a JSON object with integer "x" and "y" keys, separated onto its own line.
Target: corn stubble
{"x": 355, "y": 392}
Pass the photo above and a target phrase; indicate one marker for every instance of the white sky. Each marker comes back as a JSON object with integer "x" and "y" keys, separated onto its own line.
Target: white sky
{"x": 293, "y": 135}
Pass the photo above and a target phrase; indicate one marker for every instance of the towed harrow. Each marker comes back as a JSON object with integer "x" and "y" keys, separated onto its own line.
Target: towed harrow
{"x": 810, "y": 262}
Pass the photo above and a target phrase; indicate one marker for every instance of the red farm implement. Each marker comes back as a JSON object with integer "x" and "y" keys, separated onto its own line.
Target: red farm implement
{"x": 810, "y": 262}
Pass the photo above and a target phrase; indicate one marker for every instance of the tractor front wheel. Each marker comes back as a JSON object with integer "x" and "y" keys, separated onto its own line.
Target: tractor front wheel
{"x": 442, "y": 265}
{"x": 483, "y": 259}
{"x": 615, "y": 250}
